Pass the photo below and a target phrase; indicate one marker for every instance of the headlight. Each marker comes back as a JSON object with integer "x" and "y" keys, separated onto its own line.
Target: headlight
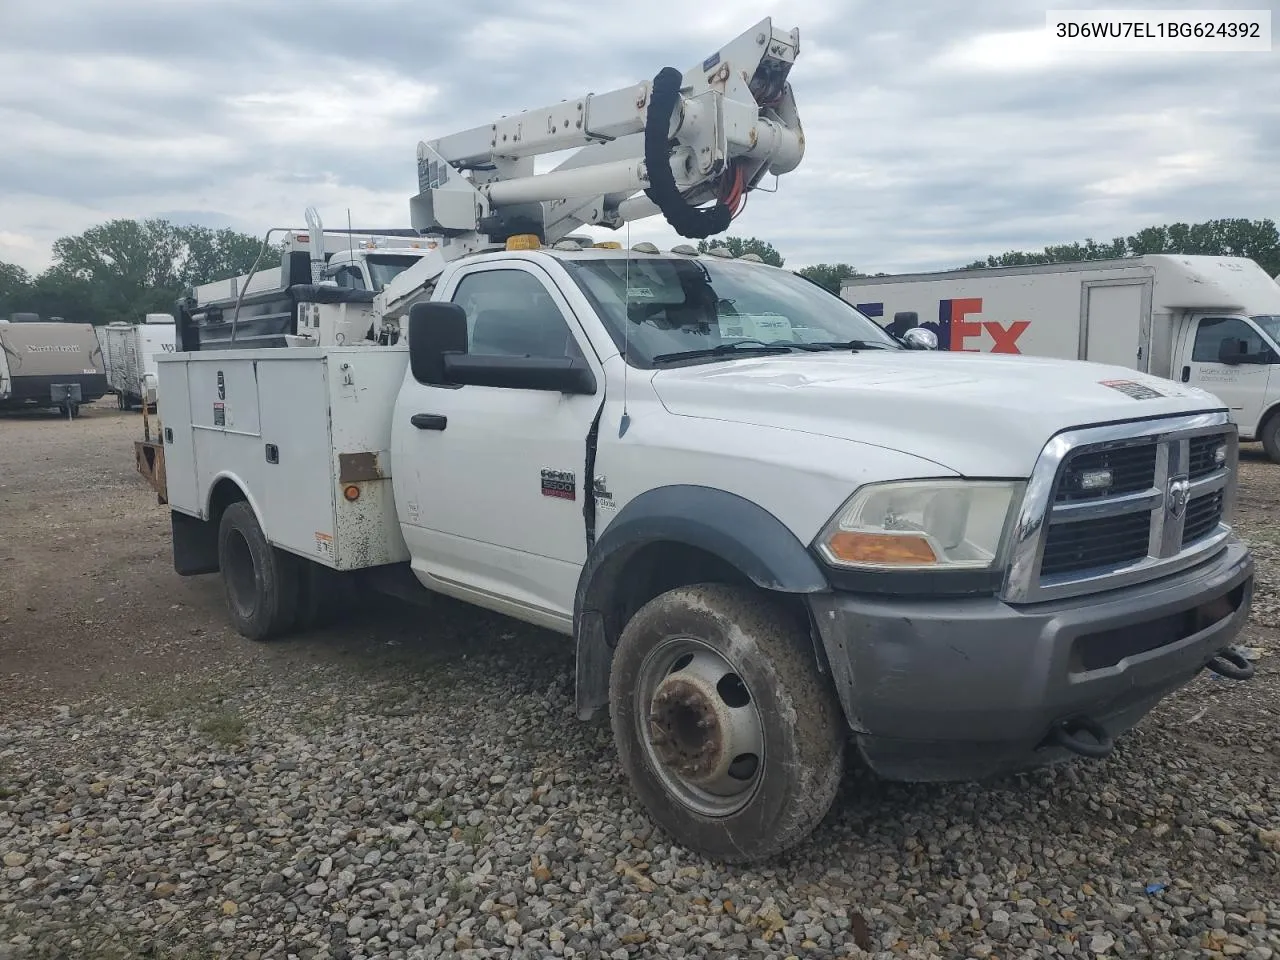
{"x": 923, "y": 525}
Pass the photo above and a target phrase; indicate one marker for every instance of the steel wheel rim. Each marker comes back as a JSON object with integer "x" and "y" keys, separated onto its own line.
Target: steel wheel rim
{"x": 700, "y": 726}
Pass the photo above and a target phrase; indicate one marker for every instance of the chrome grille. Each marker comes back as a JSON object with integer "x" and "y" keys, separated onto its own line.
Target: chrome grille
{"x": 1095, "y": 543}
{"x": 1132, "y": 468}
{"x": 1200, "y": 461}
{"x": 1203, "y": 516}
{"x": 1111, "y": 506}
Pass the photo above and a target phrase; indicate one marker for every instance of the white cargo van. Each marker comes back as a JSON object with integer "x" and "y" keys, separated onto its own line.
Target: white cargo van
{"x": 1212, "y": 322}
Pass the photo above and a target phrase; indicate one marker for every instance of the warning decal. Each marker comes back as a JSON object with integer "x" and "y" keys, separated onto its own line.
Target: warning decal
{"x": 1139, "y": 391}
{"x": 324, "y": 544}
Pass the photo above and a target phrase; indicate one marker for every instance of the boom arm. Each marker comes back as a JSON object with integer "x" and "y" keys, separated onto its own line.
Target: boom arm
{"x": 709, "y": 134}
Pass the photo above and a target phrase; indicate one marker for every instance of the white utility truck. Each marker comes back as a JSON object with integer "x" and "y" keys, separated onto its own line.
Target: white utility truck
{"x": 130, "y": 350}
{"x": 1212, "y": 322}
{"x": 767, "y": 526}
{"x": 257, "y": 307}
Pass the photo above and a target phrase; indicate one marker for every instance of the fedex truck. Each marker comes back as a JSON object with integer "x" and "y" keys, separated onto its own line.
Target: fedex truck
{"x": 1211, "y": 322}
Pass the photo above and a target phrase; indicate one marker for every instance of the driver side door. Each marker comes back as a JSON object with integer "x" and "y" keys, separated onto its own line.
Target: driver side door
{"x": 490, "y": 486}
{"x": 1241, "y": 386}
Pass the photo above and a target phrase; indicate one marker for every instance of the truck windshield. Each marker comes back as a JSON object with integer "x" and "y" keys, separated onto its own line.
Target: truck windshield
{"x": 680, "y": 309}
{"x": 1270, "y": 324}
{"x": 384, "y": 267}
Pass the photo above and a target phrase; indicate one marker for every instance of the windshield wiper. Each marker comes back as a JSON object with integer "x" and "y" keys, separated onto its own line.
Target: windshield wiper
{"x": 720, "y": 350}
{"x": 848, "y": 345}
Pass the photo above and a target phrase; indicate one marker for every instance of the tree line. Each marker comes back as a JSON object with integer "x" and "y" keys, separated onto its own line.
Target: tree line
{"x": 123, "y": 269}
{"x": 1259, "y": 240}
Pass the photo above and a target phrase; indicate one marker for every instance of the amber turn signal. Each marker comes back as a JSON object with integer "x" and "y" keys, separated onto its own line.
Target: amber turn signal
{"x": 880, "y": 548}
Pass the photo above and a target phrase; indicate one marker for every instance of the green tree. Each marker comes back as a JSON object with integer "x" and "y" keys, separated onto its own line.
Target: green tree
{"x": 830, "y": 275}
{"x": 737, "y": 246}
{"x": 122, "y": 269}
{"x": 15, "y": 289}
{"x": 59, "y": 293}
{"x": 214, "y": 254}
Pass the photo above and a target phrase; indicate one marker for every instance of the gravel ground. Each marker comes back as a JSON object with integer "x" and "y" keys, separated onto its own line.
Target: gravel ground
{"x": 413, "y": 784}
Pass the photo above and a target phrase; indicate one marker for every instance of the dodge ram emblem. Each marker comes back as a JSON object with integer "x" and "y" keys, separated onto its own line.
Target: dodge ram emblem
{"x": 1176, "y": 497}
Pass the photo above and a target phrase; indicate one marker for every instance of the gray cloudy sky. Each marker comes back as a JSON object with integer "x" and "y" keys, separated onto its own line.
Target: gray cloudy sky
{"x": 936, "y": 131}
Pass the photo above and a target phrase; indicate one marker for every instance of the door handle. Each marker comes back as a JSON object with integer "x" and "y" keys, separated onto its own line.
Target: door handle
{"x": 1186, "y": 374}
{"x": 428, "y": 421}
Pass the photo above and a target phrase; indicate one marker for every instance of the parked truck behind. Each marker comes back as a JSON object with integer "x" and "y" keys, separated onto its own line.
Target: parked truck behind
{"x": 1213, "y": 322}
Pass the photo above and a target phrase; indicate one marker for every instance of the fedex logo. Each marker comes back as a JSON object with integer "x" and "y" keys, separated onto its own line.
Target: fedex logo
{"x": 954, "y": 330}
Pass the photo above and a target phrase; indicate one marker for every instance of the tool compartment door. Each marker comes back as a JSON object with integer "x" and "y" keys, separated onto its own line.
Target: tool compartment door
{"x": 294, "y": 456}
{"x": 182, "y": 487}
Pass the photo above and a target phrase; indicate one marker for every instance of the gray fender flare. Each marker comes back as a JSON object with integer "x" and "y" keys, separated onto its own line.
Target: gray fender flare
{"x": 738, "y": 531}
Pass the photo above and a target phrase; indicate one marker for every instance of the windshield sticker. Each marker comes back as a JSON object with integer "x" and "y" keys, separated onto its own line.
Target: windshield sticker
{"x": 768, "y": 326}
{"x": 639, "y": 293}
{"x": 1138, "y": 391}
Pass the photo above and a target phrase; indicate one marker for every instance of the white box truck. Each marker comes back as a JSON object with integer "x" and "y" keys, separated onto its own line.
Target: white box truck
{"x": 1212, "y": 322}
{"x": 130, "y": 350}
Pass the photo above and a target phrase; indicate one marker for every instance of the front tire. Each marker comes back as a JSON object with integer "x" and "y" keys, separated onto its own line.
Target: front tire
{"x": 1271, "y": 437}
{"x": 732, "y": 739}
{"x": 261, "y": 582}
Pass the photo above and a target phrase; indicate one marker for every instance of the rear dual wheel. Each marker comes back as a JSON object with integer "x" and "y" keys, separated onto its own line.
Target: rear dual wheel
{"x": 261, "y": 581}
{"x": 271, "y": 592}
{"x": 732, "y": 739}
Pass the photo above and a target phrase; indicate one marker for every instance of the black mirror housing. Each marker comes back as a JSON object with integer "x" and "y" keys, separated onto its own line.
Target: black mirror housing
{"x": 439, "y": 356}
{"x": 435, "y": 330}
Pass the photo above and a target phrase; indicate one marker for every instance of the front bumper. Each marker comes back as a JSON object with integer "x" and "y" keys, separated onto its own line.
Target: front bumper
{"x": 969, "y": 688}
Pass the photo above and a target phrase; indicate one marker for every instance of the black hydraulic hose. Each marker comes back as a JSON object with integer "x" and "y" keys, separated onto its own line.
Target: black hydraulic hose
{"x": 685, "y": 219}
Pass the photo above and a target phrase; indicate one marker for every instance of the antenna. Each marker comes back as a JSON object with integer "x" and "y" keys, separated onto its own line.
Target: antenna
{"x": 351, "y": 243}
{"x": 626, "y": 337}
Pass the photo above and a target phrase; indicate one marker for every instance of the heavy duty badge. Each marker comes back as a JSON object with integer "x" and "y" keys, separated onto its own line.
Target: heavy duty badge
{"x": 560, "y": 484}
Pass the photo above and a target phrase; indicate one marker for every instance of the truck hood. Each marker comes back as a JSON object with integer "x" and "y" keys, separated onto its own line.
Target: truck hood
{"x": 973, "y": 413}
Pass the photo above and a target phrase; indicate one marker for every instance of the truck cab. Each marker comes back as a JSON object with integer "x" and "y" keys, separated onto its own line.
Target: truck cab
{"x": 1237, "y": 358}
{"x": 370, "y": 266}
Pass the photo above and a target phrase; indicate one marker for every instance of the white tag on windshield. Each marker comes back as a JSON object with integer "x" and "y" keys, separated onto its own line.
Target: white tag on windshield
{"x": 756, "y": 326}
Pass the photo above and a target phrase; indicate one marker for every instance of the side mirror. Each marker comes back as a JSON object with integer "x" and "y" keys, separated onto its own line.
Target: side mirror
{"x": 919, "y": 338}
{"x": 435, "y": 329}
{"x": 438, "y": 356}
{"x": 1231, "y": 352}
